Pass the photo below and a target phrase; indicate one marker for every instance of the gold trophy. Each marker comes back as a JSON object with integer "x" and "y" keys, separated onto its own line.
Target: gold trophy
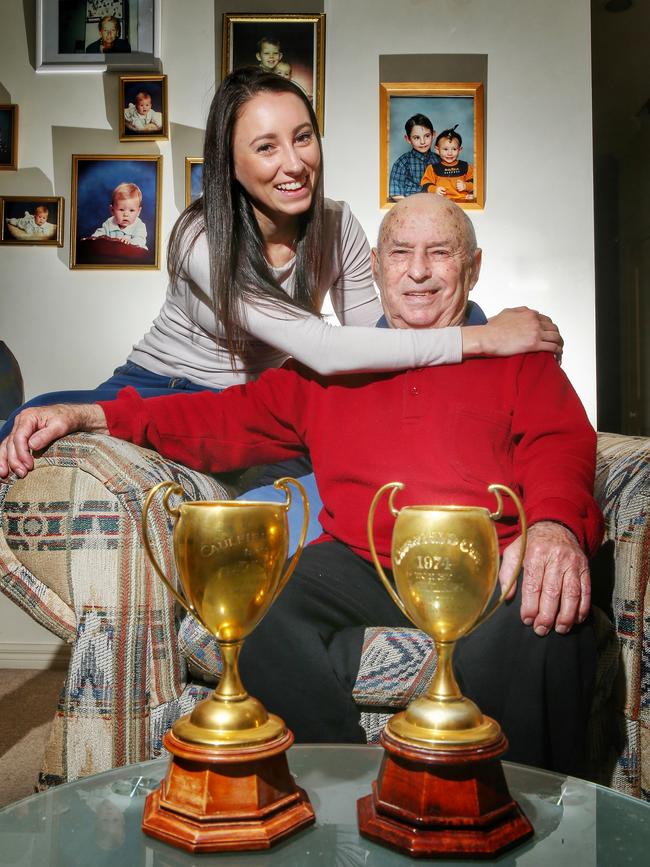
{"x": 441, "y": 788}
{"x": 228, "y": 785}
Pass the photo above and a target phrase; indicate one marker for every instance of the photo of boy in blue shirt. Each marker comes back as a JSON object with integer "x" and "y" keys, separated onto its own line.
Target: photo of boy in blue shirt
{"x": 408, "y": 169}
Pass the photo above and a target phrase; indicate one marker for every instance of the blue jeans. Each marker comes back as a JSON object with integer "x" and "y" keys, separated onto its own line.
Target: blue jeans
{"x": 145, "y": 383}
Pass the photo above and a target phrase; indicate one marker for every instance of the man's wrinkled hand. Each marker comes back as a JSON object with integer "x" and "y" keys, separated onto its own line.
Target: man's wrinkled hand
{"x": 36, "y": 427}
{"x": 556, "y": 585}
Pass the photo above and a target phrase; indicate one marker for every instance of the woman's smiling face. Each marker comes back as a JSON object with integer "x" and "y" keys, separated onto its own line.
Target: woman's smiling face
{"x": 276, "y": 155}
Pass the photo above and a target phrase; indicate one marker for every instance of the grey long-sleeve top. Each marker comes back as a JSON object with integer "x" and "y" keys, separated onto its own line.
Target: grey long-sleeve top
{"x": 184, "y": 341}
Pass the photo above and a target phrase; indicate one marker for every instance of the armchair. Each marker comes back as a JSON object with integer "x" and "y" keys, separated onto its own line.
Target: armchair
{"x": 72, "y": 558}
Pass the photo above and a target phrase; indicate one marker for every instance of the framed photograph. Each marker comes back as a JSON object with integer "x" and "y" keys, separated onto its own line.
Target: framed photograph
{"x": 193, "y": 179}
{"x": 32, "y": 220}
{"x": 115, "y": 219}
{"x": 431, "y": 138}
{"x": 143, "y": 107}
{"x": 292, "y": 45}
{"x": 96, "y": 35}
{"x": 8, "y": 138}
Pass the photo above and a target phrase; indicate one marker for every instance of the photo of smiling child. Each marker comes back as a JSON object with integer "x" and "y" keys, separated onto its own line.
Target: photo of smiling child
{"x": 407, "y": 170}
{"x": 143, "y": 107}
{"x": 451, "y": 177}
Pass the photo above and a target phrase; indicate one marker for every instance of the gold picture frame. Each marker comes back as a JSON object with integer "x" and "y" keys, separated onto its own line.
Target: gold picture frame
{"x": 21, "y": 220}
{"x": 300, "y": 40}
{"x": 154, "y": 125}
{"x": 8, "y": 138}
{"x": 100, "y": 183}
{"x": 193, "y": 179}
{"x": 447, "y": 105}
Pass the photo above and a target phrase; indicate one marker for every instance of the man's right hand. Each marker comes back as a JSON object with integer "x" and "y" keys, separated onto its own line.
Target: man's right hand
{"x": 38, "y": 426}
{"x": 514, "y": 330}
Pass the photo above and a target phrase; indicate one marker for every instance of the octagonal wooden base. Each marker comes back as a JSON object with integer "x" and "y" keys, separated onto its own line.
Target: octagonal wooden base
{"x": 428, "y": 802}
{"x": 214, "y": 800}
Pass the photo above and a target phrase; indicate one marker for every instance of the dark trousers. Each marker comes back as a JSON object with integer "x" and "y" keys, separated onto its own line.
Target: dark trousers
{"x": 303, "y": 658}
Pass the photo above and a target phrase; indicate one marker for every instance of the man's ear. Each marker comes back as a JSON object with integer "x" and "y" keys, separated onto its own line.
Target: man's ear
{"x": 477, "y": 259}
{"x": 374, "y": 263}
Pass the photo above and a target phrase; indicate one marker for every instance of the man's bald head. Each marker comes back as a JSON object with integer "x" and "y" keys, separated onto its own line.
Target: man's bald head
{"x": 427, "y": 203}
{"x": 426, "y": 262}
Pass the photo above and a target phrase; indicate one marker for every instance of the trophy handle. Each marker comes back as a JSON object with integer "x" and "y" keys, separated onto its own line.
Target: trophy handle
{"x": 283, "y": 484}
{"x": 496, "y": 490}
{"x": 394, "y": 487}
{"x": 172, "y": 488}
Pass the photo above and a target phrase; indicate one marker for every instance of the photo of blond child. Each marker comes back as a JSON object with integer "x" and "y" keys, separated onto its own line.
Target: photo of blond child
{"x": 115, "y": 212}
{"x": 143, "y": 107}
{"x": 25, "y": 220}
{"x": 291, "y": 45}
{"x": 34, "y": 224}
{"x": 124, "y": 225}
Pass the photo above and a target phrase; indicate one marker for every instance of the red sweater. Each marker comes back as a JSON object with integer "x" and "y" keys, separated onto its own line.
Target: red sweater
{"x": 447, "y": 432}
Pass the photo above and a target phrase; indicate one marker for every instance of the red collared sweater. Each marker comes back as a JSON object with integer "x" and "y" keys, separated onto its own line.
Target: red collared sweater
{"x": 446, "y": 432}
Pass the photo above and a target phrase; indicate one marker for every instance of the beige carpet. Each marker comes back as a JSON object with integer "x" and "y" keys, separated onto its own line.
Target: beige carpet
{"x": 28, "y": 702}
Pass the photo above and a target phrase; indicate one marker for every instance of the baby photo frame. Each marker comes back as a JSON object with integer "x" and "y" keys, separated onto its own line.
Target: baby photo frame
{"x": 143, "y": 107}
{"x": 8, "y": 138}
{"x": 115, "y": 215}
{"x": 431, "y": 139}
{"x": 31, "y": 220}
{"x": 292, "y": 45}
{"x": 193, "y": 179}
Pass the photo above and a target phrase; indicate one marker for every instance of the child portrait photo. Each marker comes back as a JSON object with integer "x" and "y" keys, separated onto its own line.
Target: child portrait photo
{"x": 193, "y": 179}
{"x": 8, "y": 137}
{"x": 291, "y": 45}
{"x": 431, "y": 140}
{"x": 32, "y": 220}
{"x": 143, "y": 107}
{"x": 115, "y": 219}
{"x": 86, "y": 34}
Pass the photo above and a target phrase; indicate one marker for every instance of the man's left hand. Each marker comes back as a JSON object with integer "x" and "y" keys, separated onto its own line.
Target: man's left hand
{"x": 556, "y": 587}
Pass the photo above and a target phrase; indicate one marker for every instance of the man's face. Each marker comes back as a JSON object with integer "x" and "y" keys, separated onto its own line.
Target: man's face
{"x": 423, "y": 267}
{"x": 126, "y": 211}
{"x": 108, "y": 32}
{"x": 269, "y": 55}
{"x": 420, "y": 139}
{"x": 143, "y": 104}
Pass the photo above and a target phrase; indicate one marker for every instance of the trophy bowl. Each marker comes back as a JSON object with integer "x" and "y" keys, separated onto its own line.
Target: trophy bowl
{"x": 441, "y": 788}
{"x": 228, "y": 785}
{"x": 445, "y": 563}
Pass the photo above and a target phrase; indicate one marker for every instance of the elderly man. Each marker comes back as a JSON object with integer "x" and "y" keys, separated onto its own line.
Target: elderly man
{"x": 446, "y": 432}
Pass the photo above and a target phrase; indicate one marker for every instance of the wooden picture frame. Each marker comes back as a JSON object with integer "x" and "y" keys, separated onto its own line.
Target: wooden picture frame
{"x": 104, "y": 189}
{"x": 8, "y": 138}
{"x": 143, "y": 108}
{"x": 69, "y": 37}
{"x": 447, "y": 105}
{"x": 34, "y": 220}
{"x": 295, "y": 42}
{"x": 193, "y": 179}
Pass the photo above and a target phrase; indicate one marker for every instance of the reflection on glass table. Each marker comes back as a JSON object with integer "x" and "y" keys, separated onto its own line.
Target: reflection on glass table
{"x": 96, "y": 821}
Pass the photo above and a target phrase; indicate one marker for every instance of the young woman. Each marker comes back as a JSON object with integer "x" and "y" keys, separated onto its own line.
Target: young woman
{"x": 251, "y": 261}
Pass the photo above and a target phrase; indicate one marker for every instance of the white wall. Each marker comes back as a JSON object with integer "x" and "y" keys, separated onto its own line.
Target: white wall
{"x": 71, "y": 328}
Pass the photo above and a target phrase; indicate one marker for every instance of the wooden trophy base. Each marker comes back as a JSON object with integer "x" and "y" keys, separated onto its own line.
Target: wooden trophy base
{"x": 449, "y": 802}
{"x": 229, "y": 799}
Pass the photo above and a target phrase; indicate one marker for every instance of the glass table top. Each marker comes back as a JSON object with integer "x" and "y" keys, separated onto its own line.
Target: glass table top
{"x": 96, "y": 821}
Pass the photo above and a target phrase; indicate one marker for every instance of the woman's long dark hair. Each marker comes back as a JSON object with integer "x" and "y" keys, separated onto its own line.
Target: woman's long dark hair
{"x": 238, "y": 267}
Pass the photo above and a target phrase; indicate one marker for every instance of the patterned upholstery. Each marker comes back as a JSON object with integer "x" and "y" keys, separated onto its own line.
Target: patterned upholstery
{"x": 71, "y": 556}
